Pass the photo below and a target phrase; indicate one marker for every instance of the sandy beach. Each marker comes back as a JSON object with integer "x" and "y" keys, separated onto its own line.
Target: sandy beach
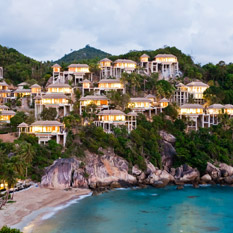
{"x": 35, "y": 199}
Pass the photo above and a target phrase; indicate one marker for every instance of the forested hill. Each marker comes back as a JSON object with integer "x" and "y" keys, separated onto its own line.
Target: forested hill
{"x": 18, "y": 67}
{"x": 83, "y": 54}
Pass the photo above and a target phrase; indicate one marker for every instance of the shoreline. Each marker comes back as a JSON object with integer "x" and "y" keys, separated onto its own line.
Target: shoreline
{"x": 32, "y": 204}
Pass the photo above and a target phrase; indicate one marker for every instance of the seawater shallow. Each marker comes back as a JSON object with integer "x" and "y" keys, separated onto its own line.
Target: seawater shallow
{"x": 150, "y": 210}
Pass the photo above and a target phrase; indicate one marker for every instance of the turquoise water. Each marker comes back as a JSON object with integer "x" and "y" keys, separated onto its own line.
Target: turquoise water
{"x": 207, "y": 209}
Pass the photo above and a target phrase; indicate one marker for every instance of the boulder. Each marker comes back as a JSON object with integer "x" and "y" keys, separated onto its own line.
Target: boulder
{"x": 167, "y": 137}
{"x": 229, "y": 179}
{"x": 150, "y": 168}
{"x": 191, "y": 175}
{"x": 226, "y": 169}
{"x": 168, "y": 153}
{"x": 136, "y": 171}
{"x": 160, "y": 183}
{"x": 213, "y": 171}
{"x": 206, "y": 178}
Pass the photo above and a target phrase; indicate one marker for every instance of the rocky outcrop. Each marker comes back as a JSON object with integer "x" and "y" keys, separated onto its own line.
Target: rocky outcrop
{"x": 206, "y": 178}
{"x": 167, "y": 149}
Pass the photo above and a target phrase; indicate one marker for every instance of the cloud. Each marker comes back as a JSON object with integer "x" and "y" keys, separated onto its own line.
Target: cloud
{"x": 47, "y": 30}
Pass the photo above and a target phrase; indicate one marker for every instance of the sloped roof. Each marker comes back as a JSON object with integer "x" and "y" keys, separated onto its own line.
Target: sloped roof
{"x": 197, "y": 83}
{"x": 150, "y": 96}
{"x": 165, "y": 55}
{"x": 144, "y": 55}
{"x": 86, "y": 81}
{"x": 216, "y": 106}
{"x": 4, "y": 84}
{"x": 23, "y": 84}
{"x": 78, "y": 66}
{"x": 35, "y": 86}
{"x": 23, "y": 124}
{"x": 105, "y": 59}
{"x": 7, "y": 113}
{"x": 140, "y": 99}
{"x": 59, "y": 85}
{"x": 4, "y": 107}
{"x": 191, "y": 106}
{"x": 180, "y": 85}
{"x": 47, "y": 123}
{"x": 132, "y": 114}
{"x": 228, "y": 106}
{"x": 111, "y": 112}
{"x": 56, "y": 66}
{"x": 54, "y": 96}
{"x": 94, "y": 97}
{"x": 22, "y": 91}
{"x": 109, "y": 81}
{"x": 124, "y": 61}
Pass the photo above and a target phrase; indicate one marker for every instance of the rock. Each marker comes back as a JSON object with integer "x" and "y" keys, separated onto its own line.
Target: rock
{"x": 160, "y": 183}
{"x": 60, "y": 174}
{"x": 173, "y": 171}
{"x": 115, "y": 184}
{"x": 178, "y": 172}
{"x": 136, "y": 171}
{"x": 206, "y": 178}
{"x": 168, "y": 153}
{"x": 190, "y": 175}
{"x": 224, "y": 173}
{"x": 79, "y": 179}
{"x": 167, "y": 137}
{"x": 213, "y": 171}
{"x": 142, "y": 177}
{"x": 226, "y": 168}
{"x": 150, "y": 168}
{"x": 229, "y": 179}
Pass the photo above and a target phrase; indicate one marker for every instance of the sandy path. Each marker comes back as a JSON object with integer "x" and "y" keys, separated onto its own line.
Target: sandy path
{"x": 34, "y": 199}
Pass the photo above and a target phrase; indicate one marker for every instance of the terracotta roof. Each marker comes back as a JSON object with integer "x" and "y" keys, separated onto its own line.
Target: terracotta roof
{"x": 86, "y": 81}
{"x": 124, "y": 61}
{"x": 144, "y": 55}
{"x": 163, "y": 100}
{"x": 140, "y": 99}
{"x": 22, "y": 91}
{"x": 105, "y": 59}
{"x": 94, "y": 97}
{"x": 191, "y": 106}
{"x": 164, "y": 55}
{"x": 77, "y": 65}
{"x": 54, "y": 96}
{"x": 111, "y": 112}
{"x": 59, "y": 85}
{"x": 56, "y": 66}
{"x": 35, "y": 86}
{"x": 109, "y": 81}
{"x": 216, "y": 106}
{"x": 23, "y": 124}
{"x": 47, "y": 123}
{"x": 197, "y": 83}
{"x": 7, "y": 113}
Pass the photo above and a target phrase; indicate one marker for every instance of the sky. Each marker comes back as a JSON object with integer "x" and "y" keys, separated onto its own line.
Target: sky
{"x": 48, "y": 29}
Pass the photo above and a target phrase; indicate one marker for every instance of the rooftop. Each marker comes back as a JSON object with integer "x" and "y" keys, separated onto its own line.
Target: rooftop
{"x": 165, "y": 55}
{"x": 191, "y": 106}
{"x": 59, "y": 85}
{"x": 140, "y": 99}
{"x": 216, "y": 106}
{"x": 35, "y": 86}
{"x": 94, "y": 97}
{"x": 111, "y": 112}
{"x": 78, "y": 66}
{"x": 197, "y": 84}
{"x": 54, "y": 96}
{"x": 56, "y": 66}
{"x": 105, "y": 60}
{"x": 124, "y": 61}
{"x": 23, "y": 124}
{"x": 47, "y": 123}
{"x": 110, "y": 81}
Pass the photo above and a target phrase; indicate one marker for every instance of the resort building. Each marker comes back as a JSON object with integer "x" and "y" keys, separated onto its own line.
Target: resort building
{"x": 5, "y": 93}
{"x": 22, "y": 92}
{"x": 108, "y": 119}
{"x": 106, "y": 69}
{"x": 108, "y": 85}
{"x": 60, "y": 88}
{"x": 45, "y": 131}
{"x": 140, "y": 104}
{"x": 192, "y": 91}
{"x": 163, "y": 103}
{"x": 123, "y": 65}
{"x": 193, "y": 113}
{"x": 5, "y": 114}
{"x": 166, "y": 65}
{"x": 36, "y": 89}
{"x": 100, "y": 101}
{"x": 228, "y": 109}
{"x": 152, "y": 98}
{"x": 57, "y": 74}
{"x": 53, "y": 100}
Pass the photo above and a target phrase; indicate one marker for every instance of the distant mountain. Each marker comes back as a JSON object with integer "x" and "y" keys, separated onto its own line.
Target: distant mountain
{"x": 83, "y": 54}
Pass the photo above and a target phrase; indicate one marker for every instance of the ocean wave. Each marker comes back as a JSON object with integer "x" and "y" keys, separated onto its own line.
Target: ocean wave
{"x": 58, "y": 208}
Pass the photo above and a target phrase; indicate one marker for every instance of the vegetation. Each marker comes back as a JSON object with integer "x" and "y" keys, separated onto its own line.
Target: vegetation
{"x": 6, "y": 229}
{"x": 83, "y": 54}
{"x": 48, "y": 114}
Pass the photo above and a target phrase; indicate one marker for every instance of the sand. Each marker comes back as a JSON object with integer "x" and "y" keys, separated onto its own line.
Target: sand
{"x": 35, "y": 200}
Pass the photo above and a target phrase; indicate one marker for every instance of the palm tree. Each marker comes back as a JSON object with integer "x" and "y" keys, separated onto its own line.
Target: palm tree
{"x": 26, "y": 153}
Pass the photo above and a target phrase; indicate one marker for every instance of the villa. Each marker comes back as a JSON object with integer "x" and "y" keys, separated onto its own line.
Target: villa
{"x": 108, "y": 85}
{"x": 35, "y": 89}
{"x": 5, "y": 93}
{"x": 5, "y": 114}
{"x": 45, "y": 131}
{"x": 108, "y": 119}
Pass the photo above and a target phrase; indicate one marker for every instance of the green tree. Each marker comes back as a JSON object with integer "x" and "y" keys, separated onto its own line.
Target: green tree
{"x": 48, "y": 114}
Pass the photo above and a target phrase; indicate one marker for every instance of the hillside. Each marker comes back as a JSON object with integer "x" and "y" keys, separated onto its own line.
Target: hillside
{"x": 18, "y": 67}
{"x": 83, "y": 54}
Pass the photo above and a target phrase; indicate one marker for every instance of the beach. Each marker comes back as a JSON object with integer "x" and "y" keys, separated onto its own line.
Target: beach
{"x": 36, "y": 199}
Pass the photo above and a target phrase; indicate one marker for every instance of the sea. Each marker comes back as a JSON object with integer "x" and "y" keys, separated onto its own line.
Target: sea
{"x": 150, "y": 210}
